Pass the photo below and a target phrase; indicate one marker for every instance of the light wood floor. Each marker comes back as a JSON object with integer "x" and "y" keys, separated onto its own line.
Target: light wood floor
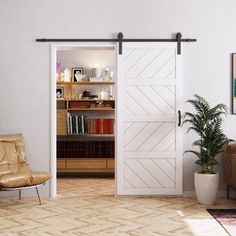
{"x": 87, "y": 207}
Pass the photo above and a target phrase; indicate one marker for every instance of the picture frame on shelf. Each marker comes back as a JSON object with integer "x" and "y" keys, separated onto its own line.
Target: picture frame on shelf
{"x": 77, "y": 74}
{"x": 233, "y": 85}
{"x": 60, "y": 93}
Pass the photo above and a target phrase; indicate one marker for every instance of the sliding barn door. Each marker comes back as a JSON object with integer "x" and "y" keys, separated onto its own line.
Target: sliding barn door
{"x": 148, "y": 147}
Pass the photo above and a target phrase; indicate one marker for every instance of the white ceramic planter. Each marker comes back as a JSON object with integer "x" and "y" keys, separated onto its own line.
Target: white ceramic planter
{"x": 206, "y": 187}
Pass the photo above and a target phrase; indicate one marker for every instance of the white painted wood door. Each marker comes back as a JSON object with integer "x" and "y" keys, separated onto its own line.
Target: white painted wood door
{"x": 149, "y": 142}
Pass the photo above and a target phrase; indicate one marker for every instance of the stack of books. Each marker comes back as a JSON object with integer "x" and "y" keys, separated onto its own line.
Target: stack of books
{"x": 85, "y": 149}
{"x": 83, "y": 125}
{"x": 100, "y": 126}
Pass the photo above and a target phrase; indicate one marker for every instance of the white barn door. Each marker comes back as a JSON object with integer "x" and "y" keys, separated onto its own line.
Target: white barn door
{"x": 148, "y": 144}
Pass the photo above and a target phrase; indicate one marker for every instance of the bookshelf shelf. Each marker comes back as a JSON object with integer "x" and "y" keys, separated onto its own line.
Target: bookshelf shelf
{"x": 94, "y": 135}
{"x": 90, "y": 109}
{"x": 88, "y": 135}
{"x": 88, "y": 165}
{"x": 90, "y": 100}
{"x": 85, "y": 83}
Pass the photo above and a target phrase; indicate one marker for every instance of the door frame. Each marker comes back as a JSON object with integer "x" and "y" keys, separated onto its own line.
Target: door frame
{"x": 53, "y": 130}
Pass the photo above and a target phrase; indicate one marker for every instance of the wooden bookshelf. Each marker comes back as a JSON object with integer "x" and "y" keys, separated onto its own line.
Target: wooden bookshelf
{"x": 101, "y": 161}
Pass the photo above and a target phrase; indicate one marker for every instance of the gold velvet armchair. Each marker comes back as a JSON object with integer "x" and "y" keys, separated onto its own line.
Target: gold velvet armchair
{"x": 15, "y": 173}
{"x": 230, "y": 166}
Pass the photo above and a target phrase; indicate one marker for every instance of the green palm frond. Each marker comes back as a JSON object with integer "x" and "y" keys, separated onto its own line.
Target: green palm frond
{"x": 207, "y": 123}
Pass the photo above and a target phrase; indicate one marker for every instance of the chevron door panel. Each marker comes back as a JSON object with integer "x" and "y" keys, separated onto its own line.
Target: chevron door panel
{"x": 149, "y": 63}
{"x": 149, "y": 140}
{"x": 150, "y": 99}
{"x": 149, "y": 137}
{"x": 155, "y": 173}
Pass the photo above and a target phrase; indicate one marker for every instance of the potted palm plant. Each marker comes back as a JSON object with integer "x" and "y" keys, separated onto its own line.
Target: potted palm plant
{"x": 206, "y": 122}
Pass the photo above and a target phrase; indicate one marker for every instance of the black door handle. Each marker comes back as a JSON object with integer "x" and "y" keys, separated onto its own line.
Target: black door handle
{"x": 179, "y": 118}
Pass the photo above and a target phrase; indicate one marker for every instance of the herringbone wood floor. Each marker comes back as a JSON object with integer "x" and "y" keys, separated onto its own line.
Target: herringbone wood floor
{"x": 87, "y": 207}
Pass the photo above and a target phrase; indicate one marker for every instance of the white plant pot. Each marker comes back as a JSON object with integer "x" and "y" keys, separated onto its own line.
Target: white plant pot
{"x": 206, "y": 187}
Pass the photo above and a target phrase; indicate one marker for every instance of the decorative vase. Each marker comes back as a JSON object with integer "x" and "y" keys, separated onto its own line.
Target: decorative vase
{"x": 66, "y": 75}
{"x": 106, "y": 77}
{"x": 206, "y": 187}
{"x": 98, "y": 72}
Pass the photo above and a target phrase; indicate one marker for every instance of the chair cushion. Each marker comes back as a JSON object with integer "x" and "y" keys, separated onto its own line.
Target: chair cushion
{"x": 7, "y": 169}
{"x": 39, "y": 177}
{"x": 8, "y": 153}
{"x": 19, "y": 143}
{"x": 14, "y": 180}
{"x": 21, "y": 176}
{"x": 14, "y": 170}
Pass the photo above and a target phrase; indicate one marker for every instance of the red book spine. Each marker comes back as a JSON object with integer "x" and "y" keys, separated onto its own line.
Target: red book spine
{"x": 89, "y": 126}
{"x": 92, "y": 126}
{"x": 93, "y": 123}
{"x": 101, "y": 121}
{"x": 97, "y": 126}
{"x": 105, "y": 126}
{"x": 110, "y": 126}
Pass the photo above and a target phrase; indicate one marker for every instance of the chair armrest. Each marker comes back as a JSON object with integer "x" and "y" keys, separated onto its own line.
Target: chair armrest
{"x": 227, "y": 166}
{"x": 230, "y": 148}
{"x": 230, "y": 165}
{"x": 233, "y": 170}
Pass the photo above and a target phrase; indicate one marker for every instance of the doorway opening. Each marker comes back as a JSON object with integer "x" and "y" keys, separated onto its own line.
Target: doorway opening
{"x": 83, "y": 108}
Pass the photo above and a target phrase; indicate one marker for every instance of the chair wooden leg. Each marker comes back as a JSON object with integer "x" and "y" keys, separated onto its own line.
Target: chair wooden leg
{"x": 38, "y": 196}
{"x": 228, "y": 191}
{"x": 19, "y": 194}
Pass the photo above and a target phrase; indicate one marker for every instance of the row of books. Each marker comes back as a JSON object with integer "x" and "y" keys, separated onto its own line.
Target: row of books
{"x": 85, "y": 149}
{"x": 84, "y": 125}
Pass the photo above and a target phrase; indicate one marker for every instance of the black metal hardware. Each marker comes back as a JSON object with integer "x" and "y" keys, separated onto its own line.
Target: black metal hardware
{"x": 121, "y": 39}
{"x": 40, "y": 203}
{"x": 178, "y": 38}
{"x": 179, "y": 118}
{"x": 43, "y": 40}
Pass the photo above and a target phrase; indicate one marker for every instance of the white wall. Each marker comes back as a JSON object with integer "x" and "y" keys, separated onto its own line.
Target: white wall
{"x": 25, "y": 64}
{"x": 87, "y": 59}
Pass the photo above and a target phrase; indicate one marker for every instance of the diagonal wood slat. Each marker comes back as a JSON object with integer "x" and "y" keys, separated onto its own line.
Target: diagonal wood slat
{"x": 149, "y": 136}
{"x": 150, "y": 63}
{"x": 133, "y": 132}
{"x": 137, "y": 167}
{"x": 159, "y": 172}
{"x": 150, "y": 100}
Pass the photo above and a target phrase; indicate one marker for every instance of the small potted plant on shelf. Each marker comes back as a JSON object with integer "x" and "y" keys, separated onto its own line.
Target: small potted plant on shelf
{"x": 206, "y": 122}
